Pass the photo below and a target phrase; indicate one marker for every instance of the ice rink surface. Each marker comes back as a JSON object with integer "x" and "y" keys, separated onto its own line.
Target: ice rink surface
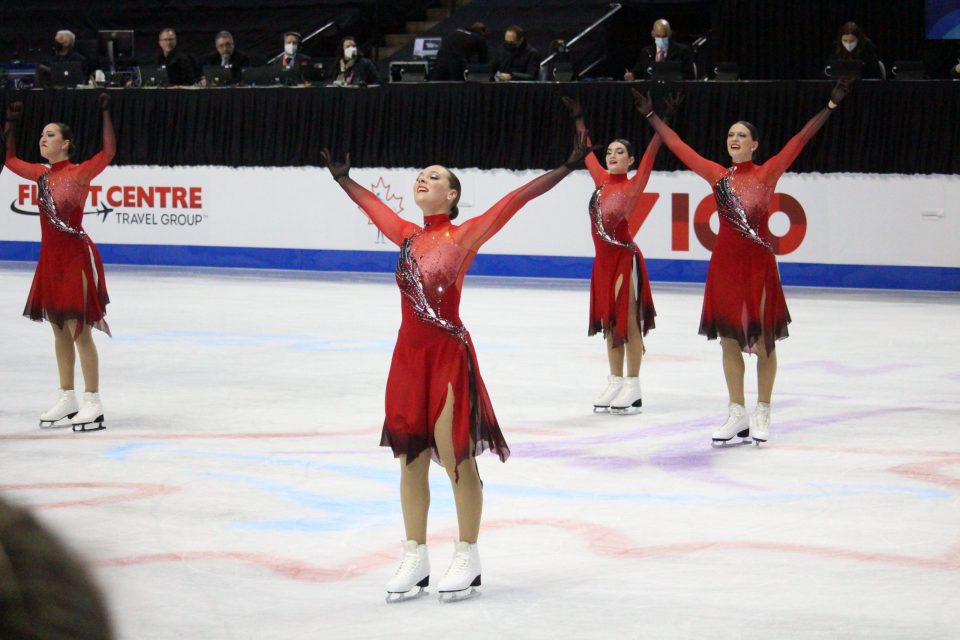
{"x": 239, "y": 492}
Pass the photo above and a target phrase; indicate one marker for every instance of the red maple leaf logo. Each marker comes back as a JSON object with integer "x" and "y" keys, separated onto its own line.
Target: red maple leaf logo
{"x": 384, "y": 191}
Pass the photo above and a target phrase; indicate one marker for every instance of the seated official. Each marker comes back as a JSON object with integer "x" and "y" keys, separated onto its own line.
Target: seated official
{"x": 179, "y": 66}
{"x": 63, "y": 51}
{"x": 226, "y": 56}
{"x": 663, "y": 49}
{"x": 853, "y": 44}
{"x": 292, "y": 57}
{"x": 352, "y": 69}
{"x": 517, "y": 60}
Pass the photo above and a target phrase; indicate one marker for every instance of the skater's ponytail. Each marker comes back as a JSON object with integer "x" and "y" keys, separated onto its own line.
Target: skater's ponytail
{"x": 454, "y": 183}
{"x": 67, "y": 134}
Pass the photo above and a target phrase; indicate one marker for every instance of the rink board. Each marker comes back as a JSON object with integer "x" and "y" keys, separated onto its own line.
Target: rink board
{"x": 837, "y": 230}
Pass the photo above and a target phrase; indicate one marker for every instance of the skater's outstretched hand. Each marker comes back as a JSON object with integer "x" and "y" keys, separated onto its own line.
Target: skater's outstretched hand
{"x": 643, "y": 103}
{"x": 580, "y": 150}
{"x": 14, "y": 111}
{"x": 670, "y": 105}
{"x": 104, "y": 101}
{"x": 339, "y": 170}
{"x": 839, "y": 92}
{"x": 573, "y": 105}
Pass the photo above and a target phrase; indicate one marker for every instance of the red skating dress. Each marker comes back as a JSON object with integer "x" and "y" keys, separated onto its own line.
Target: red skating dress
{"x": 617, "y": 209}
{"x": 68, "y": 257}
{"x": 743, "y": 299}
{"x": 433, "y": 347}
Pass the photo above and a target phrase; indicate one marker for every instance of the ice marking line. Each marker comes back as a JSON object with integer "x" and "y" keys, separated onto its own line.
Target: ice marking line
{"x": 842, "y": 369}
{"x": 286, "y": 567}
{"x": 339, "y": 505}
{"x": 612, "y": 542}
{"x": 926, "y": 472}
{"x": 133, "y": 491}
{"x": 821, "y": 491}
{"x": 113, "y": 435}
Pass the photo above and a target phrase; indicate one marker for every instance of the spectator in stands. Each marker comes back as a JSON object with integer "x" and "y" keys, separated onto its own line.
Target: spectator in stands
{"x": 955, "y": 71}
{"x": 45, "y": 591}
{"x": 353, "y": 69}
{"x": 63, "y": 50}
{"x": 226, "y": 55}
{"x": 458, "y": 49}
{"x": 292, "y": 58}
{"x": 179, "y": 65}
{"x": 853, "y": 44}
{"x": 663, "y": 49}
{"x": 517, "y": 60}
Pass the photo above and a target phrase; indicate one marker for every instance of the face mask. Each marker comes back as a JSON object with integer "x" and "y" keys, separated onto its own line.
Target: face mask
{"x": 662, "y": 42}
{"x": 58, "y": 47}
{"x": 511, "y": 46}
{"x": 350, "y": 52}
{"x": 290, "y": 48}
{"x": 850, "y": 46}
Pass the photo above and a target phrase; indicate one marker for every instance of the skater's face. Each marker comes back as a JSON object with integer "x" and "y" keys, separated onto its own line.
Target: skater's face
{"x": 432, "y": 190}
{"x": 618, "y": 158}
{"x": 740, "y": 143}
{"x": 53, "y": 146}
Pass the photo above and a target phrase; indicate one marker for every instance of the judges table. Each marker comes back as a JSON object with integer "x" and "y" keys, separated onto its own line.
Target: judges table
{"x": 882, "y": 127}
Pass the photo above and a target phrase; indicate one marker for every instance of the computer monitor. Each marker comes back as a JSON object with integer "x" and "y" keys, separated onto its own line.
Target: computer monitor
{"x": 66, "y": 75}
{"x": 217, "y": 75}
{"x": 270, "y": 76}
{"x": 116, "y": 45}
{"x": 426, "y": 47}
{"x": 408, "y": 71}
{"x": 314, "y": 73}
{"x": 666, "y": 70}
{"x": 153, "y": 76}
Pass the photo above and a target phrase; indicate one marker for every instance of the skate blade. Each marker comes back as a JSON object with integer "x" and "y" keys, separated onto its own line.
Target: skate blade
{"x": 447, "y": 597}
{"x": 624, "y": 411}
{"x": 725, "y": 444}
{"x": 598, "y": 409}
{"x": 393, "y": 598}
{"x": 55, "y": 424}
{"x": 93, "y": 425}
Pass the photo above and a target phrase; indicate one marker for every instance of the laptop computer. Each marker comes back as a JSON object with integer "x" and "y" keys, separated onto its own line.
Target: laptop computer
{"x": 66, "y": 75}
{"x": 270, "y": 76}
{"x": 408, "y": 71}
{"x": 479, "y": 72}
{"x": 666, "y": 70}
{"x": 844, "y": 69}
{"x": 153, "y": 76}
{"x": 217, "y": 75}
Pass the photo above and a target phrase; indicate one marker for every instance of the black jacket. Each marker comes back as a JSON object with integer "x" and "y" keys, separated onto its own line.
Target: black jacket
{"x": 238, "y": 62}
{"x": 675, "y": 53}
{"x": 179, "y": 66}
{"x": 362, "y": 72}
{"x": 457, "y": 49}
{"x": 522, "y": 64}
{"x": 868, "y": 53}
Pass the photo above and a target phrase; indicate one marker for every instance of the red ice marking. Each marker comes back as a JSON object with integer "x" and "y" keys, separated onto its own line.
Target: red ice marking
{"x": 193, "y": 436}
{"x": 901, "y": 453}
{"x": 131, "y": 491}
{"x": 926, "y": 472}
{"x": 610, "y": 542}
{"x": 286, "y": 567}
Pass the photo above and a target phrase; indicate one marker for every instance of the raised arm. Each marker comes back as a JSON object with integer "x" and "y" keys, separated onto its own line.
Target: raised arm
{"x": 474, "y": 232}
{"x": 92, "y": 167}
{"x": 709, "y": 171}
{"x": 597, "y": 172}
{"x": 23, "y": 169}
{"x": 778, "y": 164}
{"x": 393, "y": 226}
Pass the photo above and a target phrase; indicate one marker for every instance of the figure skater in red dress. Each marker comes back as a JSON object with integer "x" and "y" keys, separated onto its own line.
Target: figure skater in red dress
{"x": 621, "y": 304}
{"x": 743, "y": 302}
{"x": 68, "y": 287}
{"x": 436, "y": 402}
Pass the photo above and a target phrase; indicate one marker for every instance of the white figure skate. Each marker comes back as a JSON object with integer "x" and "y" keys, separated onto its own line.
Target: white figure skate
{"x": 412, "y": 575}
{"x": 628, "y": 399}
{"x": 760, "y": 423}
{"x": 463, "y": 575}
{"x": 737, "y": 425}
{"x": 90, "y": 416}
{"x": 65, "y": 407}
{"x": 602, "y": 403}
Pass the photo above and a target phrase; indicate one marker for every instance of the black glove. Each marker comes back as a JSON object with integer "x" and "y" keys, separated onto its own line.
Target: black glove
{"x": 671, "y": 104}
{"x": 14, "y": 111}
{"x": 104, "y": 101}
{"x": 574, "y": 106}
{"x": 580, "y": 150}
{"x": 840, "y": 90}
{"x": 643, "y": 103}
{"x": 339, "y": 170}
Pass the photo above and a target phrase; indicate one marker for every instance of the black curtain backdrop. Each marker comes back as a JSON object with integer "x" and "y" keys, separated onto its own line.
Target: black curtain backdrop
{"x": 883, "y": 127}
